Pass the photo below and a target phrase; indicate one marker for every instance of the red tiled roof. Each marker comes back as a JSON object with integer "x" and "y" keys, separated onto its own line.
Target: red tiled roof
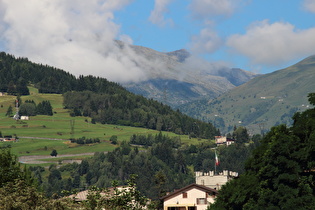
{"x": 201, "y": 187}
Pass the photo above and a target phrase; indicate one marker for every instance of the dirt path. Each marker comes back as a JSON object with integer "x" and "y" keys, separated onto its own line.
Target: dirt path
{"x": 36, "y": 159}
{"x": 29, "y": 137}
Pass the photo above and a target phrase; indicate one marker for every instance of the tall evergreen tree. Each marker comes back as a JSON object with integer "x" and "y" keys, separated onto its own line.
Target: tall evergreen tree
{"x": 11, "y": 88}
{"x": 21, "y": 87}
{"x": 44, "y": 108}
{"x": 9, "y": 112}
{"x": 10, "y": 169}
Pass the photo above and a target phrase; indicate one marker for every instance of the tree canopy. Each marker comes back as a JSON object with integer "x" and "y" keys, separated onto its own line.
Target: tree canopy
{"x": 129, "y": 109}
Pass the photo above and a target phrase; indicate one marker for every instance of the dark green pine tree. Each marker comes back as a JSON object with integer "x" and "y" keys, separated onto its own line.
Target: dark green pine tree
{"x": 48, "y": 108}
{"x": 11, "y": 89}
{"x": 10, "y": 169}
{"x": 240, "y": 134}
{"x": 44, "y": 108}
{"x": 9, "y": 112}
{"x": 21, "y": 87}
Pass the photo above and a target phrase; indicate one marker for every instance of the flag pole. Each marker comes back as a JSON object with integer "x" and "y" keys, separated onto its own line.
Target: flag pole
{"x": 215, "y": 162}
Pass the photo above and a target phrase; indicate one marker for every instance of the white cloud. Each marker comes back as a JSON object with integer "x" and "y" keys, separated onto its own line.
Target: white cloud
{"x": 273, "y": 44}
{"x": 309, "y": 5}
{"x": 194, "y": 63}
{"x": 208, "y": 11}
{"x": 126, "y": 39}
{"x": 207, "y": 41}
{"x": 74, "y": 35}
{"x": 157, "y": 14}
{"x": 210, "y": 8}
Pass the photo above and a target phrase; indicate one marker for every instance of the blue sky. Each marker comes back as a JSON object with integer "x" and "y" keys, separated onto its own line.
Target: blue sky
{"x": 76, "y": 35}
{"x": 179, "y": 24}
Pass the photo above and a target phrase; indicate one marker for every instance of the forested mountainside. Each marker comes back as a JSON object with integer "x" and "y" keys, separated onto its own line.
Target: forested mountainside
{"x": 103, "y": 101}
{"x": 16, "y": 72}
{"x": 261, "y": 103}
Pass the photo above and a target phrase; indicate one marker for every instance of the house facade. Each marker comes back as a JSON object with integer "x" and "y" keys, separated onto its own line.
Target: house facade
{"x": 223, "y": 140}
{"x": 191, "y": 197}
{"x": 25, "y": 117}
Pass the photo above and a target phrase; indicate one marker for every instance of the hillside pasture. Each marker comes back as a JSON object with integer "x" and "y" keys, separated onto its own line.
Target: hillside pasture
{"x": 41, "y": 134}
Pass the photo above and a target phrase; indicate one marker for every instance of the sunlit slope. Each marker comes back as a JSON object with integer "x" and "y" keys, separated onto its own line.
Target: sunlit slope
{"x": 262, "y": 102}
{"x": 58, "y": 126}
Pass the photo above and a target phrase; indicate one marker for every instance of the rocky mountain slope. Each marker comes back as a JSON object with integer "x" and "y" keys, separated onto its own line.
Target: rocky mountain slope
{"x": 261, "y": 103}
{"x": 177, "y": 78}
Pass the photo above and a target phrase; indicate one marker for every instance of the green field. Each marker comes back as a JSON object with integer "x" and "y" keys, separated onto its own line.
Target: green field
{"x": 38, "y": 128}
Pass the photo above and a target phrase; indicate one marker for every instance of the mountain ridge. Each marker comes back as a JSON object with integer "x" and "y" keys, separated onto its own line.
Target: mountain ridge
{"x": 262, "y": 102}
{"x": 178, "y": 75}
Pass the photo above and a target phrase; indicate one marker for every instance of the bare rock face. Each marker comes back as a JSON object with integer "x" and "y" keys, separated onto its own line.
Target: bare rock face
{"x": 181, "y": 54}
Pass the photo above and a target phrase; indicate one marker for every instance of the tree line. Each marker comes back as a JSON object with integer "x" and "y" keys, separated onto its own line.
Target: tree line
{"x": 17, "y": 73}
{"x": 133, "y": 110}
{"x": 29, "y": 108}
{"x": 149, "y": 140}
{"x": 84, "y": 140}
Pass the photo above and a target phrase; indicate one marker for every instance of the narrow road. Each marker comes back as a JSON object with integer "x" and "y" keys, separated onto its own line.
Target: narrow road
{"x": 36, "y": 159}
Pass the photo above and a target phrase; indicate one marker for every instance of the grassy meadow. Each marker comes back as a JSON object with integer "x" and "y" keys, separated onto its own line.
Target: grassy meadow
{"x": 34, "y": 133}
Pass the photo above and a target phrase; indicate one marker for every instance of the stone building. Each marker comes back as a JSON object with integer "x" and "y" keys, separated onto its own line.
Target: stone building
{"x": 212, "y": 180}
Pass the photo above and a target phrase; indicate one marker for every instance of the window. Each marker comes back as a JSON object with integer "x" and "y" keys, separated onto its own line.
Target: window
{"x": 210, "y": 194}
{"x": 201, "y": 201}
{"x": 184, "y": 194}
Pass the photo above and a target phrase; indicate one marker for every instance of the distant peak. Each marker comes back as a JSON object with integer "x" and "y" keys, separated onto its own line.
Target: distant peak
{"x": 181, "y": 54}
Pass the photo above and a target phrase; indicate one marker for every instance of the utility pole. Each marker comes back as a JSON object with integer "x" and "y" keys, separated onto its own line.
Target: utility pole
{"x": 72, "y": 128}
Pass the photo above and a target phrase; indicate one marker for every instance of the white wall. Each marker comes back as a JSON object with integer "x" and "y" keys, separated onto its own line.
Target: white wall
{"x": 191, "y": 200}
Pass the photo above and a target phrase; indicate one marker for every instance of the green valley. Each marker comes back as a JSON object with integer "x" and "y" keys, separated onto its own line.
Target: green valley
{"x": 40, "y": 134}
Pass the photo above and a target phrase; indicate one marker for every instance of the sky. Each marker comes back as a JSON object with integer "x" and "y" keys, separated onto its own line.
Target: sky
{"x": 77, "y": 35}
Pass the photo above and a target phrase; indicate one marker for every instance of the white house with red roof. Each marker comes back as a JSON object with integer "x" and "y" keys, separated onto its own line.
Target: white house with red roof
{"x": 191, "y": 197}
{"x": 223, "y": 140}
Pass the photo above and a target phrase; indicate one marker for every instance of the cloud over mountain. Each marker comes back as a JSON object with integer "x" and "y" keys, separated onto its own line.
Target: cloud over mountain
{"x": 74, "y": 35}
